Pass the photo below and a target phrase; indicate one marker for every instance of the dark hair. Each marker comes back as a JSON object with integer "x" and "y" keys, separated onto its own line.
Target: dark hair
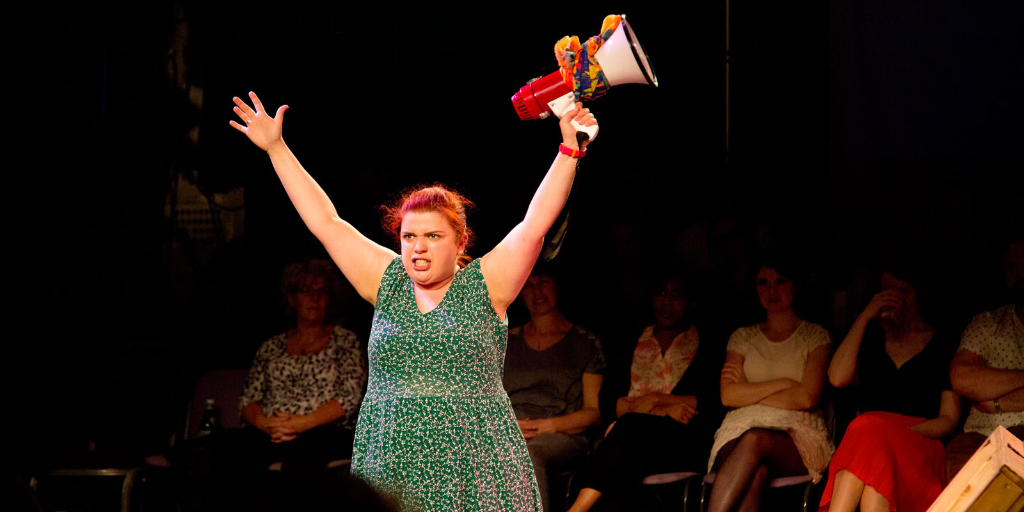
{"x": 789, "y": 267}
{"x": 913, "y": 267}
{"x": 296, "y": 275}
{"x": 434, "y": 198}
{"x": 682, "y": 278}
{"x": 782, "y": 263}
{"x": 543, "y": 268}
{"x": 1010, "y": 237}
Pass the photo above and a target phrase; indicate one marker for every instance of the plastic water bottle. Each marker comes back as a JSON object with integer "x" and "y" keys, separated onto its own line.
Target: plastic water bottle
{"x": 211, "y": 419}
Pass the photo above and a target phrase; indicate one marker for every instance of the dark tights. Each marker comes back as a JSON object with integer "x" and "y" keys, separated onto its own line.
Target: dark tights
{"x": 746, "y": 465}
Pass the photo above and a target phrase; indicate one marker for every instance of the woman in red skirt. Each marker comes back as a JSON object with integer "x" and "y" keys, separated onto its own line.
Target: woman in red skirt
{"x": 891, "y": 457}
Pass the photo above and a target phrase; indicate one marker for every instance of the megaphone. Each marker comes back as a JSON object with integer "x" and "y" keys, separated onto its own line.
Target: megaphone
{"x": 614, "y": 57}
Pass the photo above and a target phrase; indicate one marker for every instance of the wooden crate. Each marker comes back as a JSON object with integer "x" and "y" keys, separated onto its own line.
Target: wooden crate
{"x": 991, "y": 481}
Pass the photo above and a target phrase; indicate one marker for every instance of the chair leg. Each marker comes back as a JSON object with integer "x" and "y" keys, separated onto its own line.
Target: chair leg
{"x": 704, "y": 498}
{"x": 127, "y": 487}
{"x": 687, "y": 490}
{"x": 568, "y": 491}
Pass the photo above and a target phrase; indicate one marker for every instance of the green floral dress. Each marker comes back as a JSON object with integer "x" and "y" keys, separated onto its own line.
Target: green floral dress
{"x": 436, "y": 430}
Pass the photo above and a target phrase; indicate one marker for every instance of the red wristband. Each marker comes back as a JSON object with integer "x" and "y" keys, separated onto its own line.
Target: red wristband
{"x": 575, "y": 153}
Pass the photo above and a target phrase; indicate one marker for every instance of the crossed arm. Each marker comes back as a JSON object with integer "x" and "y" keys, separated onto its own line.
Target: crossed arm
{"x": 973, "y": 378}
{"x": 783, "y": 393}
{"x": 681, "y": 408}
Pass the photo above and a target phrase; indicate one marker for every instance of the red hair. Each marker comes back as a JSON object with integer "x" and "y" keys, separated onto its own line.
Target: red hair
{"x": 435, "y": 198}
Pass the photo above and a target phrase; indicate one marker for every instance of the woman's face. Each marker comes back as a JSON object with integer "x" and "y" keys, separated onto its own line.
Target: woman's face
{"x": 310, "y": 302}
{"x": 670, "y": 305}
{"x": 775, "y": 290}
{"x": 540, "y": 294}
{"x": 430, "y": 247}
{"x": 909, "y": 308}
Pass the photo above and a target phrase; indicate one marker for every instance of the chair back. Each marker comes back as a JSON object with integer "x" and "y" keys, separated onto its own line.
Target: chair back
{"x": 224, "y": 386}
{"x": 136, "y": 402}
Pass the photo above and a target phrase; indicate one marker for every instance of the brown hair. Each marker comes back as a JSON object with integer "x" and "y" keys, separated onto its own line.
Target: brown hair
{"x": 297, "y": 275}
{"x": 435, "y": 198}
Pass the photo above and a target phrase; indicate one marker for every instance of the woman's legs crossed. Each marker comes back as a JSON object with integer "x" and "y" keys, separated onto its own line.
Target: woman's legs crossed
{"x": 741, "y": 478}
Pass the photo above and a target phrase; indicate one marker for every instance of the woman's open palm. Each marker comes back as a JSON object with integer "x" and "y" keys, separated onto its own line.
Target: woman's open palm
{"x": 262, "y": 130}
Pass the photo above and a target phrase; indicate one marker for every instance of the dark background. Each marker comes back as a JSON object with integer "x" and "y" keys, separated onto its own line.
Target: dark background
{"x": 854, "y": 126}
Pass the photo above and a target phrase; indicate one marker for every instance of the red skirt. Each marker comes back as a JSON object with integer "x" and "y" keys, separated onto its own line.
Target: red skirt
{"x": 903, "y": 466}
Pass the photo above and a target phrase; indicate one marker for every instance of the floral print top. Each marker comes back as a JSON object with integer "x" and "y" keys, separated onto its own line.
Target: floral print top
{"x": 654, "y": 372}
{"x": 300, "y": 384}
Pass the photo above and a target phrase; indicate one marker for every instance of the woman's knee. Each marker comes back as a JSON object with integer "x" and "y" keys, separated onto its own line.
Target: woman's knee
{"x": 758, "y": 440}
{"x": 761, "y": 476}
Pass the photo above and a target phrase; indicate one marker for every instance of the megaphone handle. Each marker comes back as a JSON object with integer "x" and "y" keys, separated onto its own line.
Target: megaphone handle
{"x": 584, "y": 132}
{"x": 559, "y": 106}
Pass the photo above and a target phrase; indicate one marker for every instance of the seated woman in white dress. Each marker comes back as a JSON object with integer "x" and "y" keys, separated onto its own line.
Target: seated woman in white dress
{"x": 773, "y": 376}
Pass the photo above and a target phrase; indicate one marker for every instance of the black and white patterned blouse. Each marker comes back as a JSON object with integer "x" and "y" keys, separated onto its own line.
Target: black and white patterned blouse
{"x": 300, "y": 384}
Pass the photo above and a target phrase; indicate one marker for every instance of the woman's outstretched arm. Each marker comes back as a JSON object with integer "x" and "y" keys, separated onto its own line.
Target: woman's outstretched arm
{"x": 507, "y": 266}
{"x": 360, "y": 259}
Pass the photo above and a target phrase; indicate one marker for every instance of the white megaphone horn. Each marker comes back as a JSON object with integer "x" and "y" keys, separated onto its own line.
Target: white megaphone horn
{"x": 622, "y": 60}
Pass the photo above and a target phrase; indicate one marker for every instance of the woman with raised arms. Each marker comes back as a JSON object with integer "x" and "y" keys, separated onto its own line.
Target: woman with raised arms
{"x": 436, "y": 430}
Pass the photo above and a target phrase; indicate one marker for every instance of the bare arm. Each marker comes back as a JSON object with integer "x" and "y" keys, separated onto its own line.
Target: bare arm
{"x": 681, "y": 408}
{"x": 572, "y": 423}
{"x": 844, "y": 363}
{"x": 945, "y": 422}
{"x": 645, "y": 403}
{"x": 1010, "y": 402}
{"x": 806, "y": 395}
{"x": 361, "y": 260}
{"x": 589, "y": 415}
{"x": 325, "y": 414}
{"x": 1013, "y": 401}
{"x": 973, "y": 378}
{"x": 624, "y": 405}
{"x": 253, "y": 415}
{"x": 737, "y": 392}
{"x": 507, "y": 266}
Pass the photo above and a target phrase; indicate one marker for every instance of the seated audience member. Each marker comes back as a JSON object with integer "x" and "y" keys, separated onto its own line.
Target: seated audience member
{"x": 890, "y": 457}
{"x": 300, "y": 403}
{"x": 305, "y": 384}
{"x": 665, "y": 422}
{"x": 553, "y": 373}
{"x": 773, "y": 376}
{"x": 989, "y": 368}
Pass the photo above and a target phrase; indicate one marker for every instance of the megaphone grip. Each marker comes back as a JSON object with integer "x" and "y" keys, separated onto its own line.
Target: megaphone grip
{"x": 584, "y": 132}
